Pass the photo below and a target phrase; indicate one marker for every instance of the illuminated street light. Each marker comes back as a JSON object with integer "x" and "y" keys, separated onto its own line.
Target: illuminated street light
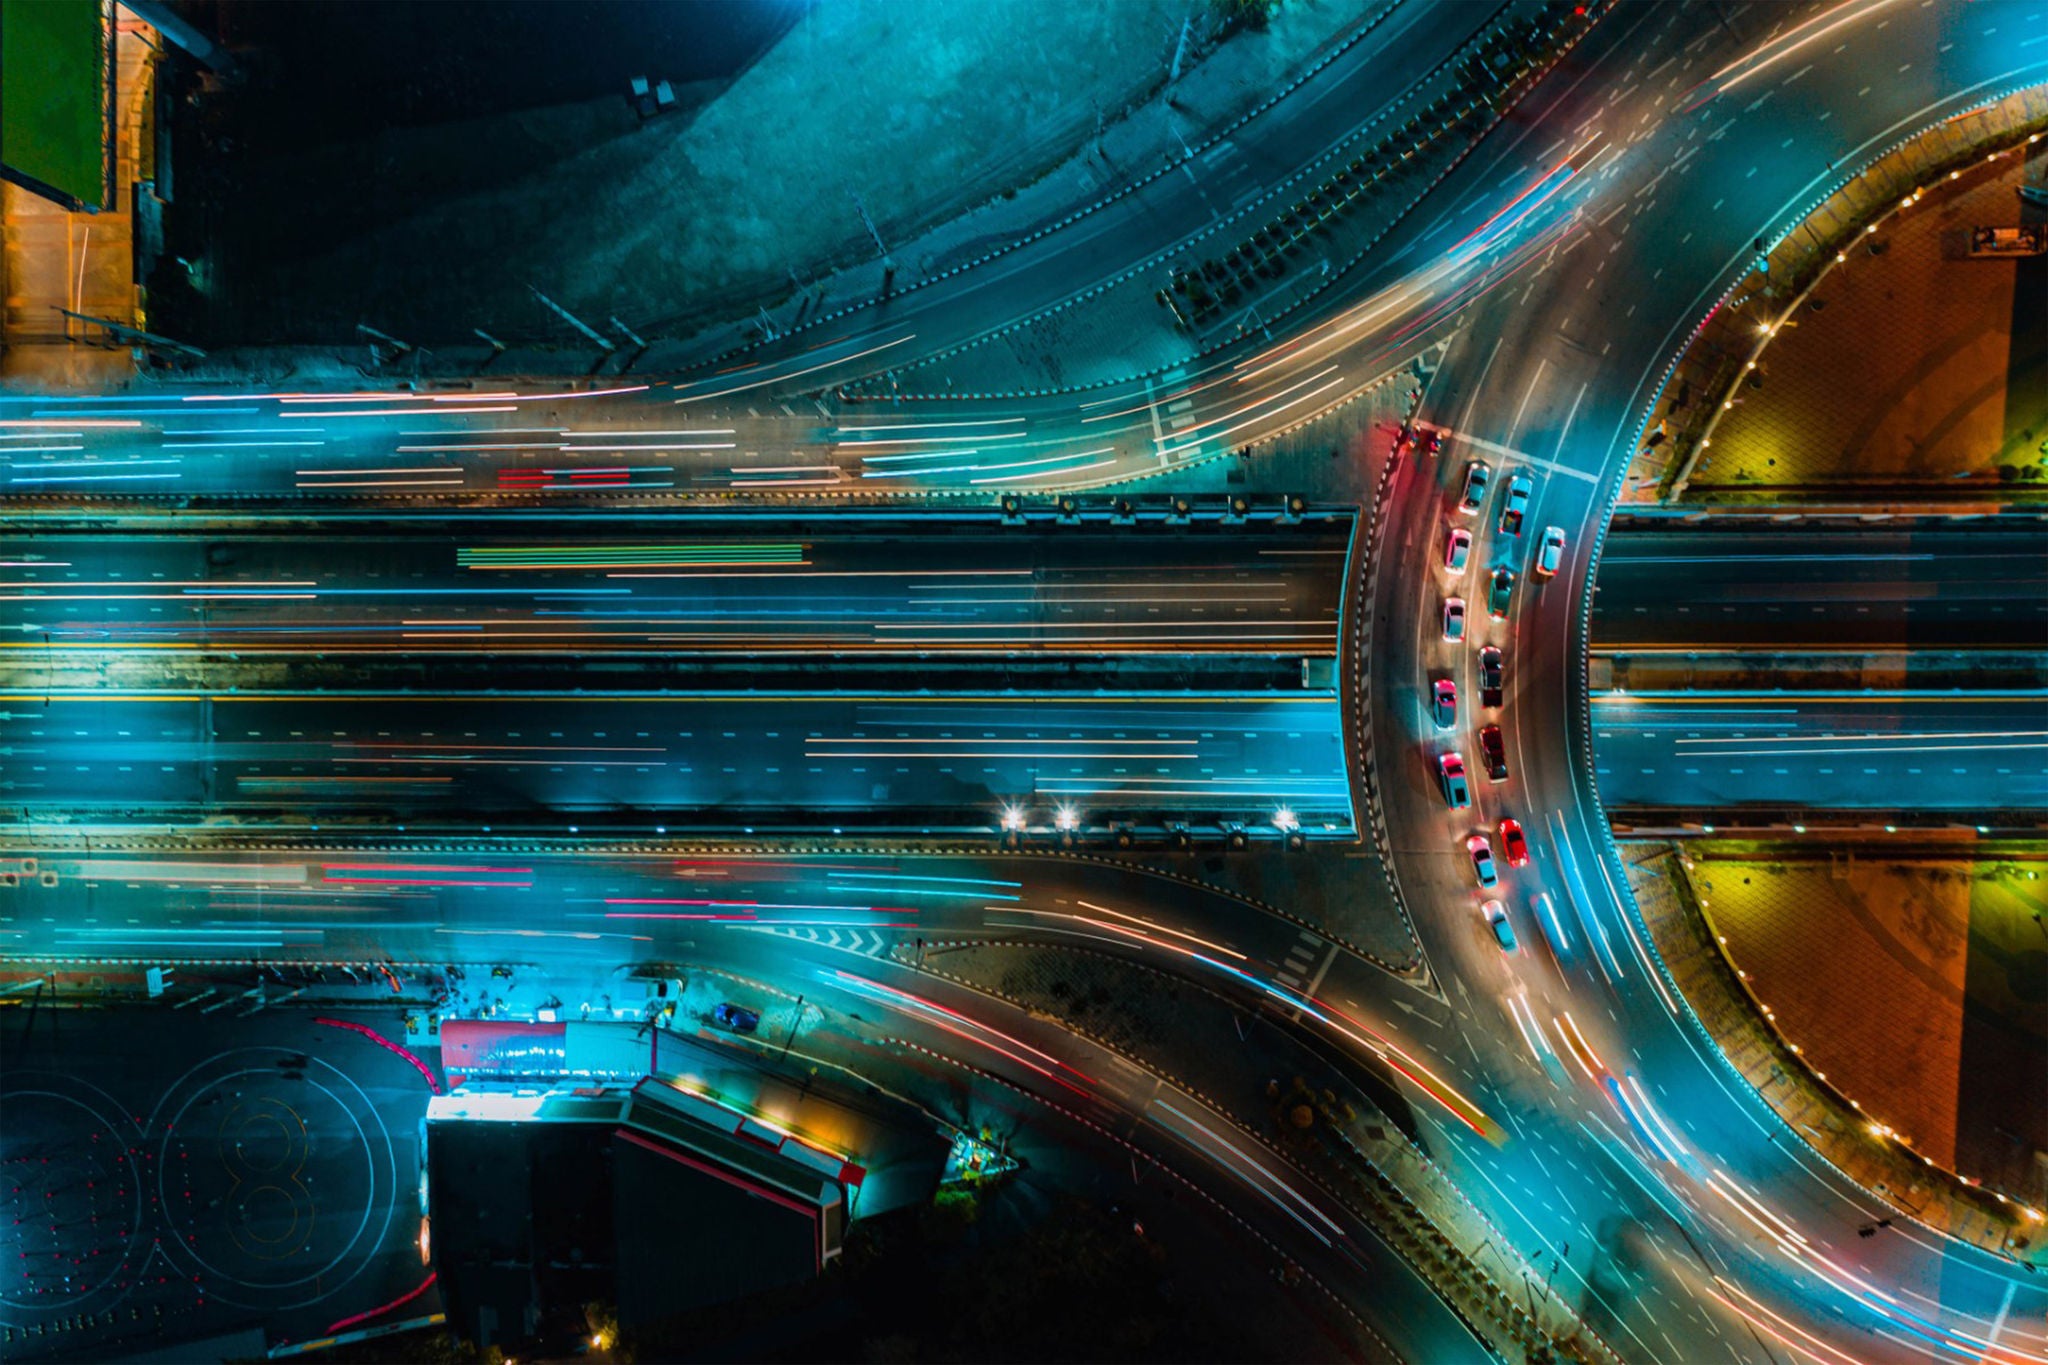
{"x": 1066, "y": 819}
{"x": 1286, "y": 821}
{"x": 1013, "y": 819}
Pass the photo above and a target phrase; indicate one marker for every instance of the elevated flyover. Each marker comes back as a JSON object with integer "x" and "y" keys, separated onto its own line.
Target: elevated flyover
{"x": 1769, "y": 669}
{"x": 1084, "y": 672}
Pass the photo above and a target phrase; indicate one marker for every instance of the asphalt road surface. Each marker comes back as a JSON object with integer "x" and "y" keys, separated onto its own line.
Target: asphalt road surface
{"x": 911, "y": 586}
{"x": 950, "y": 762}
{"x": 1932, "y": 585}
{"x": 1911, "y": 752}
{"x": 1666, "y": 1201}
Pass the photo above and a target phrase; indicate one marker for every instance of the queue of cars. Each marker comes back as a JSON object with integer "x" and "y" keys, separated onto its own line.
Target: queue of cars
{"x": 1500, "y": 592}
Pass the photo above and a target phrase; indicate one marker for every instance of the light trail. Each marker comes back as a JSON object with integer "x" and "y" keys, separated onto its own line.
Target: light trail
{"x": 90, "y": 478}
{"x": 794, "y": 374}
{"x": 928, "y": 426}
{"x": 1160, "y": 928}
{"x": 1532, "y": 1032}
{"x": 1862, "y": 9}
{"x": 97, "y": 425}
{"x": 1046, "y": 473}
{"x": 959, "y": 1025}
{"x": 1168, "y": 451}
{"x": 1263, "y": 1180}
{"x": 394, "y": 412}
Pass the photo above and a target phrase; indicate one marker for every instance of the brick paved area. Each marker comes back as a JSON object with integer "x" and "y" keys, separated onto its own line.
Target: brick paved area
{"x": 1872, "y": 205}
{"x": 1900, "y": 373}
{"x": 1797, "y": 936}
{"x": 1864, "y": 966}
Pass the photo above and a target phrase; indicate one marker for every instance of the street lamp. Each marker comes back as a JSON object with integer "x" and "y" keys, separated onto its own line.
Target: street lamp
{"x": 1286, "y": 821}
{"x": 1066, "y": 819}
{"x": 1013, "y": 819}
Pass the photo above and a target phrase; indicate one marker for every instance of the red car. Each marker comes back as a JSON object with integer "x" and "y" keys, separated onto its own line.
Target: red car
{"x": 1513, "y": 844}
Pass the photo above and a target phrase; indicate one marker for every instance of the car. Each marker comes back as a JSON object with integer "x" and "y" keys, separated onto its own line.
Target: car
{"x": 1497, "y": 920}
{"x": 1454, "y": 619}
{"x": 1552, "y": 554}
{"x": 1512, "y": 511}
{"x": 1476, "y": 476}
{"x": 1457, "y": 549}
{"x": 1500, "y": 593}
{"x": 1494, "y": 752}
{"x": 1450, "y": 775}
{"x": 1443, "y": 703}
{"x": 1481, "y": 854}
{"x": 1492, "y": 670}
{"x": 1432, "y": 440}
{"x": 1513, "y": 846}
{"x": 735, "y": 1017}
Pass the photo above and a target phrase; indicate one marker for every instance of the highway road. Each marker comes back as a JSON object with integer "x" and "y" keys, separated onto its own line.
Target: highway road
{"x": 951, "y": 762}
{"x": 1663, "y": 1199}
{"x": 925, "y": 585}
{"x": 1934, "y": 584}
{"x": 1857, "y": 751}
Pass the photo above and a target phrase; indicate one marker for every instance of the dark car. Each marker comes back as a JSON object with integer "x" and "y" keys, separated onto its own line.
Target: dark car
{"x": 1493, "y": 753}
{"x": 731, "y": 1016}
{"x": 1501, "y": 593}
{"x": 1450, "y": 775}
{"x": 1492, "y": 671}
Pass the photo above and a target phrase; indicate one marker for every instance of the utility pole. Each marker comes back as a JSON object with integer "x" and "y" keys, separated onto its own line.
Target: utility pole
{"x": 565, "y": 315}
{"x": 888, "y": 265}
{"x": 1180, "y": 49}
{"x": 793, "y": 1024}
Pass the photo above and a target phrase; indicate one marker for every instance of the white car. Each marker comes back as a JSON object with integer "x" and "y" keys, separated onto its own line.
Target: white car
{"x": 1457, "y": 550}
{"x": 1454, "y": 620}
{"x": 1481, "y": 854}
{"x": 1517, "y": 504}
{"x": 1552, "y": 552}
{"x": 1477, "y": 474}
